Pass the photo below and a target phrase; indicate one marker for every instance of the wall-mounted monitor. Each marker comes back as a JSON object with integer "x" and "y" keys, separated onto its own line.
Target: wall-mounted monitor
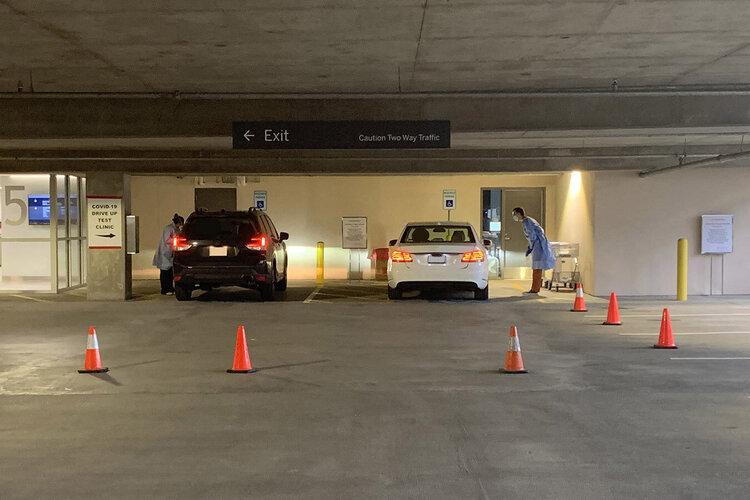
{"x": 39, "y": 209}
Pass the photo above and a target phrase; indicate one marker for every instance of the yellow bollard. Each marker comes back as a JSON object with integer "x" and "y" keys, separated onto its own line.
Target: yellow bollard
{"x": 682, "y": 269}
{"x": 320, "y": 262}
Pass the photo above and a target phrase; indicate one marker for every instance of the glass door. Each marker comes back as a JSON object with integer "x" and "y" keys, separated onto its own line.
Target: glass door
{"x": 70, "y": 247}
{"x": 491, "y": 227}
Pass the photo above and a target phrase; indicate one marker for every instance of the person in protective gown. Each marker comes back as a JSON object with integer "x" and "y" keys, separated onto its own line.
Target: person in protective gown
{"x": 164, "y": 255}
{"x": 542, "y": 257}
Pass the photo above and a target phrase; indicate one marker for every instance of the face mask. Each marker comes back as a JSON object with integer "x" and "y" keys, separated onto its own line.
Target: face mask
{"x": 516, "y": 217}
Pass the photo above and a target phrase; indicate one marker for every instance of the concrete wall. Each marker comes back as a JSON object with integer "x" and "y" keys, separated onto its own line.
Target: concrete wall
{"x": 638, "y": 222}
{"x": 310, "y": 209}
{"x": 575, "y": 219}
{"x": 30, "y": 258}
{"x": 109, "y": 274}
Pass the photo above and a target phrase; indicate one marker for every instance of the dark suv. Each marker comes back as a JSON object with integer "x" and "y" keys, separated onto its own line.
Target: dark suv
{"x": 229, "y": 249}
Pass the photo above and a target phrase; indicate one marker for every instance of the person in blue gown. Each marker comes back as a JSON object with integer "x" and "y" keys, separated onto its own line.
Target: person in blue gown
{"x": 542, "y": 257}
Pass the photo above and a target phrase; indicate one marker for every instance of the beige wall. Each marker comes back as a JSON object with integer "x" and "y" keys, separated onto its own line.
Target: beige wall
{"x": 310, "y": 209}
{"x": 638, "y": 222}
{"x": 575, "y": 219}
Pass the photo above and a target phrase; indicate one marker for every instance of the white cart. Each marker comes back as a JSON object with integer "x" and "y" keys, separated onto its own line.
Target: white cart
{"x": 566, "y": 272}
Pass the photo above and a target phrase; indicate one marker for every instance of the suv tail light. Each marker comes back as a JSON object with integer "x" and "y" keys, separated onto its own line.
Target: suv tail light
{"x": 473, "y": 256}
{"x": 401, "y": 256}
{"x": 180, "y": 244}
{"x": 258, "y": 243}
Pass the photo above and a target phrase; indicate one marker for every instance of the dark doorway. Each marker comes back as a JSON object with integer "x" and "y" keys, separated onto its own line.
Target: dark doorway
{"x": 514, "y": 240}
{"x": 216, "y": 199}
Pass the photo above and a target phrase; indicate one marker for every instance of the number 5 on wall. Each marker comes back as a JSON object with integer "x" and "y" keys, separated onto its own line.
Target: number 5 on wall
{"x": 9, "y": 200}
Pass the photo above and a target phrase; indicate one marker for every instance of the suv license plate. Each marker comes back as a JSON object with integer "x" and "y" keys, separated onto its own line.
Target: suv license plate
{"x": 218, "y": 251}
{"x": 432, "y": 259}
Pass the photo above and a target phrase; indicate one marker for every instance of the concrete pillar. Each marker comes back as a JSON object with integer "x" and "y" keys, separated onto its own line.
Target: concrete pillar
{"x": 110, "y": 272}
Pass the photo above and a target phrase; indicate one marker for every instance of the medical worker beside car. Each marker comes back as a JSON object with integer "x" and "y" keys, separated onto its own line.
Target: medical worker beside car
{"x": 540, "y": 250}
{"x": 163, "y": 258}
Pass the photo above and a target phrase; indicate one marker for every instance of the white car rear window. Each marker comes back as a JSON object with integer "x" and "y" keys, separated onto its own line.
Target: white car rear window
{"x": 424, "y": 234}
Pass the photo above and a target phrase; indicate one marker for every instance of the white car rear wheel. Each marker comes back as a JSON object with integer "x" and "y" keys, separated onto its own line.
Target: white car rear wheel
{"x": 482, "y": 293}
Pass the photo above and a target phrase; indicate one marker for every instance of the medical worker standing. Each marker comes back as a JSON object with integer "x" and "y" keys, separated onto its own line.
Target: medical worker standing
{"x": 540, "y": 250}
{"x": 164, "y": 255}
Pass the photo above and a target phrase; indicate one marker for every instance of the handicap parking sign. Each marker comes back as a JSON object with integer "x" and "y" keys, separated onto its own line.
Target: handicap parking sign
{"x": 449, "y": 199}
{"x": 260, "y": 198}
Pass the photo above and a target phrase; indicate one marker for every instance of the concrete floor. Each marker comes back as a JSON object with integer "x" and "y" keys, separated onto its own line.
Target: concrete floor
{"x": 364, "y": 398}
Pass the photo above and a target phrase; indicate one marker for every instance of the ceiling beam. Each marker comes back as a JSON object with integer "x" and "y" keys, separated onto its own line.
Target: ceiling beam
{"x": 26, "y": 116}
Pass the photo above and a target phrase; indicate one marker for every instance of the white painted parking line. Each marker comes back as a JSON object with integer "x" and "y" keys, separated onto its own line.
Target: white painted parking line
{"x": 29, "y": 298}
{"x": 312, "y": 295}
{"x": 679, "y": 334}
{"x": 707, "y": 359}
{"x": 676, "y": 315}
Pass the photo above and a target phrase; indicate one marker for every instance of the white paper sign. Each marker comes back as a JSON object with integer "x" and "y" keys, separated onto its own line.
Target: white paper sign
{"x": 354, "y": 232}
{"x": 260, "y": 200}
{"x": 449, "y": 199}
{"x": 716, "y": 233}
{"x": 105, "y": 222}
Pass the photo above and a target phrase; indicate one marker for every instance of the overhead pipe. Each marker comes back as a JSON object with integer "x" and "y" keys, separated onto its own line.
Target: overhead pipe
{"x": 684, "y": 90}
{"x": 706, "y": 162}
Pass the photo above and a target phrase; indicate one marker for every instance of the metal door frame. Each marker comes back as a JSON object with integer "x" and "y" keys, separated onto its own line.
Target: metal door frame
{"x": 503, "y": 191}
{"x": 55, "y": 238}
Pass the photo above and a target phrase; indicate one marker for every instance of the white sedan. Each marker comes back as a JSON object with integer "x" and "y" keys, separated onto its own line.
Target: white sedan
{"x": 429, "y": 255}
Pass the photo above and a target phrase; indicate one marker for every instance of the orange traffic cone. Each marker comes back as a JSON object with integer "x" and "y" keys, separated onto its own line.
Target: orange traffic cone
{"x": 92, "y": 362}
{"x": 613, "y": 313}
{"x": 666, "y": 340}
{"x": 242, "y": 363}
{"x": 513, "y": 360}
{"x": 579, "y": 304}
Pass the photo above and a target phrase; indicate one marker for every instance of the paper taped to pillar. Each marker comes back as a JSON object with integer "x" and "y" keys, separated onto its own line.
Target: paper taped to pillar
{"x": 105, "y": 222}
{"x": 354, "y": 232}
{"x": 716, "y": 234}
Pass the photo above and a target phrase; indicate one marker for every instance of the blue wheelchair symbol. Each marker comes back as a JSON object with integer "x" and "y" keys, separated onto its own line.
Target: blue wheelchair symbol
{"x": 260, "y": 204}
{"x": 449, "y": 203}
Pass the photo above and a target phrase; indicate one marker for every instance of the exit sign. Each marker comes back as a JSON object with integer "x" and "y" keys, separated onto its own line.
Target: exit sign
{"x": 342, "y": 135}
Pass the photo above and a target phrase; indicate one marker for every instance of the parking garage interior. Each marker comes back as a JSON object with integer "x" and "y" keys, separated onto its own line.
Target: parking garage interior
{"x": 620, "y": 126}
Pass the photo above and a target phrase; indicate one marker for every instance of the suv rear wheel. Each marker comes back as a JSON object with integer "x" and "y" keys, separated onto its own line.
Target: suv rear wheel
{"x": 182, "y": 293}
{"x": 268, "y": 291}
{"x": 281, "y": 285}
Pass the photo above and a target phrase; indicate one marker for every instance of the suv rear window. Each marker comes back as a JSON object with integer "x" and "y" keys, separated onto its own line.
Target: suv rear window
{"x": 211, "y": 228}
{"x": 437, "y": 234}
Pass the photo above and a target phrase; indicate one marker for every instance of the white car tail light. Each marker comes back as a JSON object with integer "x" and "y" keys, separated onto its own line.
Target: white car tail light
{"x": 473, "y": 256}
{"x": 401, "y": 256}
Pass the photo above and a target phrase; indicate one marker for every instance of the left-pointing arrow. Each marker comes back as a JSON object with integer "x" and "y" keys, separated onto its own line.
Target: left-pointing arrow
{"x": 110, "y": 235}
{"x": 248, "y": 135}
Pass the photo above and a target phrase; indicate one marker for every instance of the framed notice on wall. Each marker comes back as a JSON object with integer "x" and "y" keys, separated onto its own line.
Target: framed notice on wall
{"x": 716, "y": 234}
{"x": 354, "y": 232}
{"x": 105, "y": 222}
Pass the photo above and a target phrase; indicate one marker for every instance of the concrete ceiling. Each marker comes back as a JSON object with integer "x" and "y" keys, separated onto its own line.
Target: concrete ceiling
{"x": 365, "y": 46}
